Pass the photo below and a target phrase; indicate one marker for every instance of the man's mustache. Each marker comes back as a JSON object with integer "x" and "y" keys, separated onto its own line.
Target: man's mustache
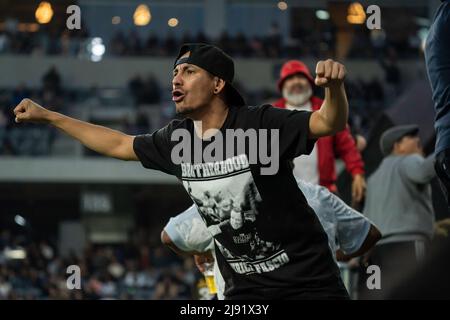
{"x": 297, "y": 88}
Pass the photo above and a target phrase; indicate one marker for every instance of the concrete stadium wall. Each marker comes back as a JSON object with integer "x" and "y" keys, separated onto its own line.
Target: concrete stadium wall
{"x": 70, "y": 170}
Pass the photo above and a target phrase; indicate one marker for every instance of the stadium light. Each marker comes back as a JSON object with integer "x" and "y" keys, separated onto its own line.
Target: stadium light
{"x": 282, "y": 5}
{"x": 96, "y": 49}
{"x": 422, "y": 34}
{"x": 44, "y": 12}
{"x": 322, "y": 15}
{"x": 142, "y": 15}
{"x": 356, "y": 13}
{"x": 20, "y": 220}
{"x": 172, "y": 22}
{"x": 115, "y": 20}
{"x": 14, "y": 253}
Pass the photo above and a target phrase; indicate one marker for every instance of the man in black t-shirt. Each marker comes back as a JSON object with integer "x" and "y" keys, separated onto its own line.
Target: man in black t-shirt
{"x": 276, "y": 247}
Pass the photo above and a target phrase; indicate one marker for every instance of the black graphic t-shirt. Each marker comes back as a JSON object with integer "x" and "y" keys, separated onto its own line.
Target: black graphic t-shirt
{"x": 266, "y": 235}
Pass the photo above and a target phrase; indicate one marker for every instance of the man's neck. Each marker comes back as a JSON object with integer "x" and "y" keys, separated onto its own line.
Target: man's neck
{"x": 210, "y": 118}
{"x": 404, "y": 154}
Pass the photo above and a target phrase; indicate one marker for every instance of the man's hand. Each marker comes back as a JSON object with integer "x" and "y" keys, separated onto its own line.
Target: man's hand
{"x": 201, "y": 259}
{"x": 103, "y": 140}
{"x": 358, "y": 187}
{"x": 333, "y": 114}
{"x": 329, "y": 73}
{"x": 29, "y": 111}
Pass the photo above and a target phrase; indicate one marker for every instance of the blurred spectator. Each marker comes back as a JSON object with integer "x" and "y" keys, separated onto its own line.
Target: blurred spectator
{"x": 170, "y": 45}
{"x": 405, "y": 220}
{"x": 273, "y": 41}
{"x": 136, "y": 87}
{"x": 242, "y": 47}
{"x": 225, "y": 43}
{"x": 392, "y": 76}
{"x": 52, "y": 80}
{"x": 117, "y": 44}
{"x": 296, "y": 86}
{"x": 378, "y": 41}
{"x": 134, "y": 46}
{"x": 151, "y": 45}
{"x": 4, "y": 42}
{"x": 152, "y": 90}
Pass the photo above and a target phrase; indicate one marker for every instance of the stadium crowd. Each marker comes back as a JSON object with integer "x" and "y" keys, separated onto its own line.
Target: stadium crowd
{"x": 306, "y": 43}
{"x": 134, "y": 270}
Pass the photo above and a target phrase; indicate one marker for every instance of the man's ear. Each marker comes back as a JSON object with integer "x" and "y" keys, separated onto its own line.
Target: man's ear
{"x": 219, "y": 85}
{"x": 397, "y": 146}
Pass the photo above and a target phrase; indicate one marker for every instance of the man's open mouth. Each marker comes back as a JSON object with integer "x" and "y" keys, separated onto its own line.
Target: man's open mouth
{"x": 177, "y": 95}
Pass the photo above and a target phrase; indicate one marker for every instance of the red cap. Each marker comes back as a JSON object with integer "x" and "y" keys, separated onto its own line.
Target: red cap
{"x": 294, "y": 67}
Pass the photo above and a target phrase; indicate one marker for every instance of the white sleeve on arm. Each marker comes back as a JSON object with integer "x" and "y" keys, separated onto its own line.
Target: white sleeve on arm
{"x": 352, "y": 226}
{"x": 337, "y": 218}
{"x": 188, "y": 231}
{"x": 319, "y": 199}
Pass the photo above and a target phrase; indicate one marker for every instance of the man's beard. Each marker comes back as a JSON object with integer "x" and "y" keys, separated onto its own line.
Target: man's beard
{"x": 191, "y": 112}
{"x": 184, "y": 111}
{"x": 297, "y": 99}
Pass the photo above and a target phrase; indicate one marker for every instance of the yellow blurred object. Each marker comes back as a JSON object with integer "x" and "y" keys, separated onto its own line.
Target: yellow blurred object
{"x": 142, "y": 15}
{"x": 356, "y": 13}
{"x": 209, "y": 277}
{"x": 44, "y": 12}
{"x": 211, "y": 284}
{"x": 442, "y": 228}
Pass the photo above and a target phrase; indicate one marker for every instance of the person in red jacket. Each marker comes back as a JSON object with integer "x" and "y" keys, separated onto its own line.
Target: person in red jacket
{"x": 296, "y": 86}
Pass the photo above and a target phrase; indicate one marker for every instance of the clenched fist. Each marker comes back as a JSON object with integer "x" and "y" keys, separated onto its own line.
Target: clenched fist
{"x": 29, "y": 111}
{"x": 329, "y": 73}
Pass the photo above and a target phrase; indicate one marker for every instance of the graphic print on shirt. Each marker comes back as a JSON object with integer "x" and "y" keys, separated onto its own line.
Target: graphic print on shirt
{"x": 228, "y": 200}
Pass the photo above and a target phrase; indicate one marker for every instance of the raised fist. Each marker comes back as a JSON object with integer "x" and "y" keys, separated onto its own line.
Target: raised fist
{"x": 329, "y": 73}
{"x": 29, "y": 111}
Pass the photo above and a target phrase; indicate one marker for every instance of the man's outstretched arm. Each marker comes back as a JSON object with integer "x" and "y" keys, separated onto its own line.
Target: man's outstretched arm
{"x": 333, "y": 115}
{"x": 103, "y": 140}
{"x": 371, "y": 239}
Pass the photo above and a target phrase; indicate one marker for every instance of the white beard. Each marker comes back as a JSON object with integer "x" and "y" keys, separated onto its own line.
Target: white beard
{"x": 297, "y": 99}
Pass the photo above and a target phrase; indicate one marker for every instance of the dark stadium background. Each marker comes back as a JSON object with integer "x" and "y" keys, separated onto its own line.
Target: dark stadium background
{"x": 61, "y": 204}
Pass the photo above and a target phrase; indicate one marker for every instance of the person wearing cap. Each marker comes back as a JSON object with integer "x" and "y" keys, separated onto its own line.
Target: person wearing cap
{"x": 296, "y": 86}
{"x": 399, "y": 202}
{"x": 288, "y": 257}
{"x": 437, "y": 57}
